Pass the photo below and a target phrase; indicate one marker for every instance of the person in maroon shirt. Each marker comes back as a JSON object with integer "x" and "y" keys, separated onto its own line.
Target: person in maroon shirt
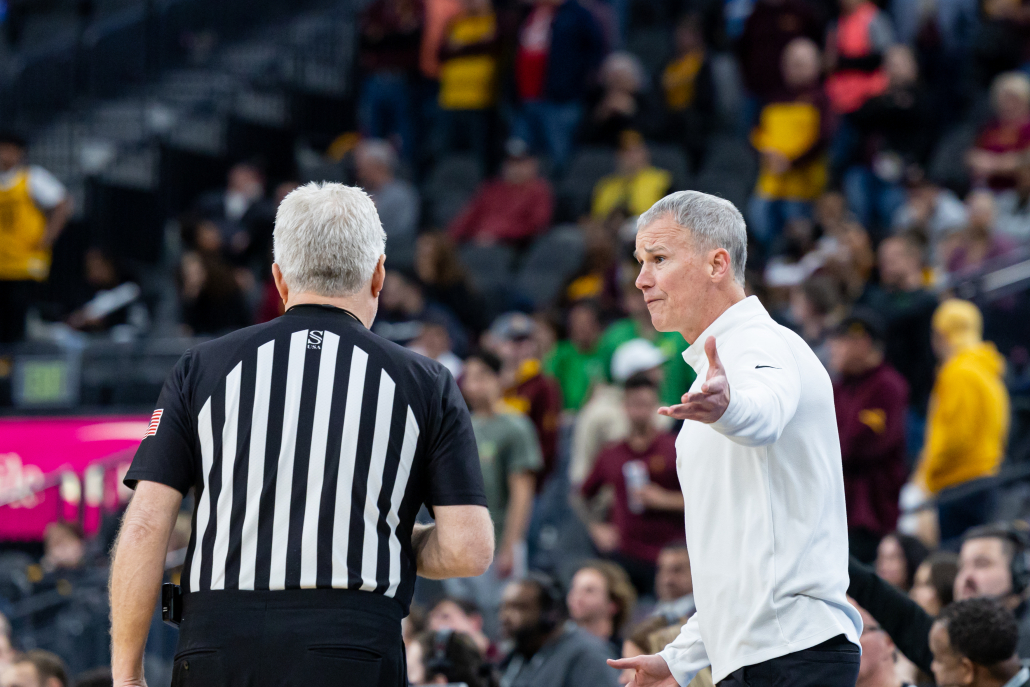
{"x": 647, "y": 513}
{"x": 513, "y": 208}
{"x": 529, "y": 390}
{"x": 871, "y": 399}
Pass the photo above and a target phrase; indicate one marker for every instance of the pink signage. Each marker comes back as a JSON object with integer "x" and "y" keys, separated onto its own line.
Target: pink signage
{"x": 63, "y": 468}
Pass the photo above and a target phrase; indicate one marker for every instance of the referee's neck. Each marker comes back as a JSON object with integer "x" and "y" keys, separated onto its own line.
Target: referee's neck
{"x": 361, "y": 305}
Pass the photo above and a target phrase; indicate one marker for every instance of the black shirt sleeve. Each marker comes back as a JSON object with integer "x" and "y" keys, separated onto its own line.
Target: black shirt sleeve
{"x": 900, "y": 617}
{"x": 167, "y": 453}
{"x": 453, "y": 472}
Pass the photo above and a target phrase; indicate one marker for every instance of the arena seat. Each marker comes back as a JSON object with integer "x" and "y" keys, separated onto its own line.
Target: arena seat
{"x": 551, "y": 260}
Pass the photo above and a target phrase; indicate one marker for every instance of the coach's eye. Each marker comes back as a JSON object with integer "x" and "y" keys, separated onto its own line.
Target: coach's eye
{"x": 659, "y": 259}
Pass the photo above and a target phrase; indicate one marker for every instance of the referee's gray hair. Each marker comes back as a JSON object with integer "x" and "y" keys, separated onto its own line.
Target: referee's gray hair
{"x": 328, "y": 239}
{"x": 713, "y": 222}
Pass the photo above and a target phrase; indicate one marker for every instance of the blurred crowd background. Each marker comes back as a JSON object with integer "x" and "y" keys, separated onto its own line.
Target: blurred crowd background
{"x": 879, "y": 152}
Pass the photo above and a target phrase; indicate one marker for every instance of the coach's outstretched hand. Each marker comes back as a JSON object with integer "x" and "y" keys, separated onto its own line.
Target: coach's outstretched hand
{"x": 648, "y": 671}
{"x": 708, "y": 404}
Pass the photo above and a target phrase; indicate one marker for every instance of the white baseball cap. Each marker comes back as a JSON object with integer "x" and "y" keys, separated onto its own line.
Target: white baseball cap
{"x": 636, "y": 355}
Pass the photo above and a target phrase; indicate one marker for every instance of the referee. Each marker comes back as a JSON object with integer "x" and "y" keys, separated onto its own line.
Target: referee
{"x": 310, "y": 444}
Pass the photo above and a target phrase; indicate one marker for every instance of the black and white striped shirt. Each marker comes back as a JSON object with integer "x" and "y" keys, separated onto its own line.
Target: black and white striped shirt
{"x": 311, "y": 444}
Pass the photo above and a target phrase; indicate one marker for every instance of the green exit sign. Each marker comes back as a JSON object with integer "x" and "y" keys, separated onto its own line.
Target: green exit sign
{"x": 46, "y": 381}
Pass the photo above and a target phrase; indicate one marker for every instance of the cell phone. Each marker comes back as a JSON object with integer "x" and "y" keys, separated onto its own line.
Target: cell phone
{"x": 171, "y": 604}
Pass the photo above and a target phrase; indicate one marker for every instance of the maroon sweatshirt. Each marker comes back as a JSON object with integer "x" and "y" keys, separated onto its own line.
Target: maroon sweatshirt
{"x": 871, "y": 412}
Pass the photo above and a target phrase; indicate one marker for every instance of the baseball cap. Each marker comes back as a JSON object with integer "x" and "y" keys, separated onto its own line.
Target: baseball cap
{"x": 513, "y": 326}
{"x": 636, "y": 355}
{"x": 517, "y": 148}
{"x": 862, "y": 321}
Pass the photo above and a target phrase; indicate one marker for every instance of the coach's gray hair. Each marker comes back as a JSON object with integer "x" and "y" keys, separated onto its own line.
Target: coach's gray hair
{"x": 328, "y": 239}
{"x": 713, "y": 222}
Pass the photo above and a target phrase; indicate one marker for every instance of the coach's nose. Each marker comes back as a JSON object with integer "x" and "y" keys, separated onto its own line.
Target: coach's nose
{"x": 645, "y": 279}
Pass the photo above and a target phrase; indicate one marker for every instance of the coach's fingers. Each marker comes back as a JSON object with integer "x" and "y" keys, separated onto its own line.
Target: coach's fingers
{"x": 685, "y": 411}
{"x": 627, "y": 663}
{"x": 714, "y": 385}
{"x": 714, "y": 364}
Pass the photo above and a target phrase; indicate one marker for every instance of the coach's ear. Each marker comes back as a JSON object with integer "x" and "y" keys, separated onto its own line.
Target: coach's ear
{"x": 378, "y": 276}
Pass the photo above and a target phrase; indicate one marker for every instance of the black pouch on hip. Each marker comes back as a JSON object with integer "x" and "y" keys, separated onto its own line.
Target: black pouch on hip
{"x": 171, "y": 604}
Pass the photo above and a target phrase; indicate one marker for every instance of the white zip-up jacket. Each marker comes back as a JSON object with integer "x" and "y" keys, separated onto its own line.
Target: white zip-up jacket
{"x": 764, "y": 504}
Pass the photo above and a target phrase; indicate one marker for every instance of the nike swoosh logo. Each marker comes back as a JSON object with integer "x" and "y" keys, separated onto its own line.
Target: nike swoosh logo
{"x": 758, "y": 367}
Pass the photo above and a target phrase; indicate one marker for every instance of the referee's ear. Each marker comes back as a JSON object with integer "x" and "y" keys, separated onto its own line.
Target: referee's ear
{"x": 280, "y": 283}
{"x": 378, "y": 276}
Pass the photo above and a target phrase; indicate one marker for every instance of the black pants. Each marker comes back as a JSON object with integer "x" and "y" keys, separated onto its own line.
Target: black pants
{"x": 304, "y": 637}
{"x": 834, "y": 663}
{"x": 15, "y": 299}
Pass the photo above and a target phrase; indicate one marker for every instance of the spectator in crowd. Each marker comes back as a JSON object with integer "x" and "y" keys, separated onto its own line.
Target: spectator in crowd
{"x": 403, "y": 307}
{"x": 986, "y": 566}
{"x": 688, "y": 91}
{"x": 979, "y": 243}
{"x": 528, "y": 389}
{"x": 817, "y": 308}
{"x": 677, "y": 376}
{"x": 908, "y": 306}
{"x": 879, "y": 655}
{"x": 898, "y": 557}
{"x": 438, "y": 15}
{"x": 673, "y": 583}
{"x": 390, "y": 33}
{"x": 510, "y": 456}
{"x": 771, "y": 26}
{"x": 620, "y": 103}
{"x": 464, "y": 616}
{"x": 990, "y": 564}
{"x": 36, "y": 668}
{"x": 855, "y": 45}
{"x": 396, "y": 201}
{"x": 999, "y": 44}
{"x": 575, "y": 362}
{"x": 244, "y": 218}
{"x": 933, "y": 587}
{"x": 450, "y": 657}
{"x": 1012, "y": 208}
{"x": 929, "y": 211}
{"x": 36, "y": 208}
{"x": 210, "y": 295}
{"x": 469, "y": 81}
{"x": 601, "y": 600}
{"x": 603, "y": 420}
{"x": 871, "y": 399}
{"x": 974, "y": 644}
{"x": 109, "y": 296}
{"x": 434, "y": 341}
{"x": 513, "y": 209}
{"x": 635, "y": 186}
{"x": 533, "y": 616}
{"x": 64, "y": 547}
{"x": 791, "y": 137}
{"x": 445, "y": 280}
{"x": 894, "y": 130}
{"x": 1001, "y": 145}
{"x": 647, "y": 513}
{"x": 560, "y": 45}
{"x": 968, "y": 423}
{"x": 7, "y": 652}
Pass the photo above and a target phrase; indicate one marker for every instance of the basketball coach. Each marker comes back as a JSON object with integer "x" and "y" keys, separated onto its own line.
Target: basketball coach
{"x": 310, "y": 444}
{"x": 759, "y": 464}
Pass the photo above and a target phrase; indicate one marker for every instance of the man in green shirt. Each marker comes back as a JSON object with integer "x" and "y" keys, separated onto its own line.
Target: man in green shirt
{"x": 677, "y": 375}
{"x": 509, "y": 455}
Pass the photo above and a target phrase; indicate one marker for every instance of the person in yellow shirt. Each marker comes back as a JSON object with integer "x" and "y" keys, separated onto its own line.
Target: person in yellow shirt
{"x": 636, "y": 186}
{"x": 968, "y": 421}
{"x": 34, "y": 208}
{"x": 792, "y": 135}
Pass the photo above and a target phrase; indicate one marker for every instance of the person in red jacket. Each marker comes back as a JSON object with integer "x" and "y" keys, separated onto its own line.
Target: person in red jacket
{"x": 871, "y": 399}
{"x": 513, "y": 208}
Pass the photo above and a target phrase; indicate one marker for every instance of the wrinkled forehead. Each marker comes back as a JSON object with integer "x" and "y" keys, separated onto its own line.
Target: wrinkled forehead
{"x": 662, "y": 234}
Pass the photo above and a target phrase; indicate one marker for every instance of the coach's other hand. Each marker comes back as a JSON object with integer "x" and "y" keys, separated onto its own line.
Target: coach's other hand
{"x": 708, "y": 404}
{"x": 648, "y": 671}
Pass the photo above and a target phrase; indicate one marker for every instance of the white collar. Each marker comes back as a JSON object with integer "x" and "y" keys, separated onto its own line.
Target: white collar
{"x": 736, "y": 314}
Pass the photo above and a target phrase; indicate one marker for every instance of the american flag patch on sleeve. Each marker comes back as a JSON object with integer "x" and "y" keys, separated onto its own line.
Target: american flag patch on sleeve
{"x": 155, "y": 420}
